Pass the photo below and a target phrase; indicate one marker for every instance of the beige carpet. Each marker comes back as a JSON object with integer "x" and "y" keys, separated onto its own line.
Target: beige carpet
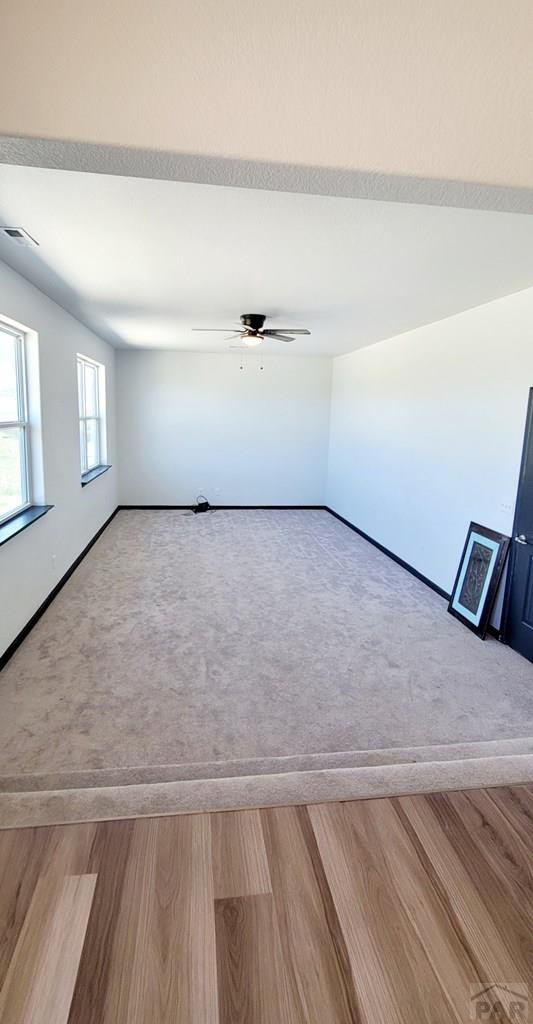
{"x": 247, "y": 644}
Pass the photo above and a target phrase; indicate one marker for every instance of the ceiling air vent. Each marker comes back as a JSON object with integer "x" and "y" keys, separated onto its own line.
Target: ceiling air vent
{"x": 19, "y": 236}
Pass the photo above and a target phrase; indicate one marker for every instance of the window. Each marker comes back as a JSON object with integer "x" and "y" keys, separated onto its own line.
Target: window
{"x": 91, "y": 399}
{"x": 14, "y": 444}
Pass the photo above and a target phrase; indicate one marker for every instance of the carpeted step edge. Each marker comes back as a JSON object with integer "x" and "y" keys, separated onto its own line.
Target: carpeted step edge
{"x": 289, "y": 788}
{"x": 182, "y": 772}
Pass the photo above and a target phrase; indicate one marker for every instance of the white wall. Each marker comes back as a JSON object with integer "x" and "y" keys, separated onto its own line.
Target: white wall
{"x": 191, "y": 423}
{"x": 35, "y": 560}
{"x": 427, "y": 429}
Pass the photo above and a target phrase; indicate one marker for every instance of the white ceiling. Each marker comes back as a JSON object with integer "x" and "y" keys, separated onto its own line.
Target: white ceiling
{"x": 141, "y": 262}
{"x": 424, "y": 88}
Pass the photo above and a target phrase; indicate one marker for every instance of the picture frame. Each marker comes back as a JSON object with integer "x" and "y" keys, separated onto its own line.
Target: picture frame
{"x": 478, "y": 577}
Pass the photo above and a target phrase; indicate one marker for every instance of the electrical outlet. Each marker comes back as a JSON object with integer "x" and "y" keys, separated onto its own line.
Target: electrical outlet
{"x": 507, "y": 507}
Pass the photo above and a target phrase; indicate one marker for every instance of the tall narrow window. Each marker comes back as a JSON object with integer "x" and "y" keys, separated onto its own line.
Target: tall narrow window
{"x": 91, "y": 398}
{"x": 14, "y": 444}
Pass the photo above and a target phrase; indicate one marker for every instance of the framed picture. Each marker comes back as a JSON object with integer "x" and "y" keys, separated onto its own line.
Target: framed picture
{"x": 478, "y": 577}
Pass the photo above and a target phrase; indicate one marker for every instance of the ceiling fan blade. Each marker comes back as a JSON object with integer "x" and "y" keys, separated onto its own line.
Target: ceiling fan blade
{"x": 210, "y": 329}
{"x": 272, "y": 332}
{"x": 272, "y": 336}
{"x": 238, "y": 334}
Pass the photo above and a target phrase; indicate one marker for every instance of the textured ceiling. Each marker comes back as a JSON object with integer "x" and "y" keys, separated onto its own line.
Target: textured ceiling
{"x": 209, "y": 170}
{"x": 143, "y": 261}
{"x": 435, "y": 89}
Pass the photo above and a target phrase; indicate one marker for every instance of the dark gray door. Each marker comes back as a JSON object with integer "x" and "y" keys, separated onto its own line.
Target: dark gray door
{"x": 518, "y": 630}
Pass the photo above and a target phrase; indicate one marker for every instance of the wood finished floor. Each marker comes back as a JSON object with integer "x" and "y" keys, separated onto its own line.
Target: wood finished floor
{"x": 377, "y": 911}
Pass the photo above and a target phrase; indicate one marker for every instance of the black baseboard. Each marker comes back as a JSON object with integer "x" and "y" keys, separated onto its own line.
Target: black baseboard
{"x": 9, "y": 652}
{"x": 153, "y": 508}
{"x": 492, "y": 630}
{"x": 279, "y": 508}
{"x": 223, "y": 508}
{"x": 395, "y": 558}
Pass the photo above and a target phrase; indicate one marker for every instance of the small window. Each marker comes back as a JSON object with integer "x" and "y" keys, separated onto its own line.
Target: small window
{"x": 91, "y": 399}
{"x": 14, "y": 444}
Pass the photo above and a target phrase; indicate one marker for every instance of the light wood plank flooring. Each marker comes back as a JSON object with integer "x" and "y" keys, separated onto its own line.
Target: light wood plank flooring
{"x": 378, "y": 911}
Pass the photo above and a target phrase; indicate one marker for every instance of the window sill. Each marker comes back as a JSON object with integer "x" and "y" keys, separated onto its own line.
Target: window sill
{"x": 93, "y": 474}
{"x": 19, "y": 522}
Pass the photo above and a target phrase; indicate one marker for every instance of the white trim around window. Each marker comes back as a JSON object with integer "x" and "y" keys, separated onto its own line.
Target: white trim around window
{"x": 15, "y": 476}
{"x": 91, "y": 402}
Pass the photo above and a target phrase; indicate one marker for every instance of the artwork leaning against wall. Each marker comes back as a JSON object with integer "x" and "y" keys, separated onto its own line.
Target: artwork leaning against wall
{"x": 478, "y": 577}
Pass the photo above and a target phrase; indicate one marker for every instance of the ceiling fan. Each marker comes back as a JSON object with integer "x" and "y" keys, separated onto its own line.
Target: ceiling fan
{"x": 253, "y": 332}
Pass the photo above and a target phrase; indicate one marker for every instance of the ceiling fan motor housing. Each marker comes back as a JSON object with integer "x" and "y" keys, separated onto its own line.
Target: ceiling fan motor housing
{"x": 254, "y": 321}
